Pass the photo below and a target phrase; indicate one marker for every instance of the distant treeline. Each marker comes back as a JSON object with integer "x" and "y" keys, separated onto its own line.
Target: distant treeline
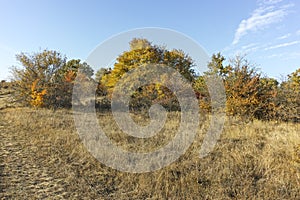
{"x": 46, "y": 79}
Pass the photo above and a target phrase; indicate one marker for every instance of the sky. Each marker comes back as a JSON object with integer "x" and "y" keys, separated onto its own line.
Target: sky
{"x": 267, "y": 32}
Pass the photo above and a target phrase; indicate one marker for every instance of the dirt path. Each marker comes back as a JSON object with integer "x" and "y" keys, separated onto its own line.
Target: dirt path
{"x": 19, "y": 177}
{"x": 40, "y": 159}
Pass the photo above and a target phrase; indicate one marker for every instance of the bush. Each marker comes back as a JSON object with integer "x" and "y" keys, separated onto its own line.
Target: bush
{"x": 39, "y": 71}
{"x": 46, "y": 79}
{"x": 288, "y": 98}
{"x": 143, "y": 53}
{"x": 248, "y": 94}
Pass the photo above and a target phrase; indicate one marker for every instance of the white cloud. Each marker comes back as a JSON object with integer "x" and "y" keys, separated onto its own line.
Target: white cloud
{"x": 298, "y": 32}
{"x": 245, "y": 49}
{"x": 268, "y": 2}
{"x": 284, "y": 36}
{"x": 284, "y": 56}
{"x": 249, "y": 46}
{"x": 283, "y": 45}
{"x": 266, "y": 14}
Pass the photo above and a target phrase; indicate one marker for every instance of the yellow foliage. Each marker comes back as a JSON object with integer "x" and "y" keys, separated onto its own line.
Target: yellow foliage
{"x": 70, "y": 76}
{"x": 37, "y": 98}
{"x": 159, "y": 90}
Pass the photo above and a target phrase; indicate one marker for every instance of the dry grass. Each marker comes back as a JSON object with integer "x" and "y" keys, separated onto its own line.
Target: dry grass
{"x": 41, "y": 156}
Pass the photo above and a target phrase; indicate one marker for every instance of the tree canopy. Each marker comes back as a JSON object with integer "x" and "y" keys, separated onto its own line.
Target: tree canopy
{"x": 46, "y": 79}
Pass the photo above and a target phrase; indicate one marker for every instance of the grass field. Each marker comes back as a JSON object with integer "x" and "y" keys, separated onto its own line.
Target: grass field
{"x": 41, "y": 156}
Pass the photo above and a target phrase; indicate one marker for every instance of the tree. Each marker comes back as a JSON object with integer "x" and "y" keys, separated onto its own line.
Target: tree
{"x": 74, "y": 65}
{"x": 101, "y": 72}
{"x": 288, "y": 98}
{"x": 267, "y": 93}
{"x": 62, "y": 87}
{"x": 202, "y": 93}
{"x": 243, "y": 86}
{"x": 101, "y": 88}
{"x": 142, "y": 53}
{"x": 139, "y": 43}
{"x": 37, "y": 72}
{"x": 215, "y": 67}
{"x": 46, "y": 78}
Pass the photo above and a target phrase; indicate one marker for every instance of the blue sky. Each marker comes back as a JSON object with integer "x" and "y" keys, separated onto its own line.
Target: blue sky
{"x": 268, "y": 31}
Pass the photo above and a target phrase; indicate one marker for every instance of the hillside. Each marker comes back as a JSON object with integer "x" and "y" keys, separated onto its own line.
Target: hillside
{"x": 41, "y": 156}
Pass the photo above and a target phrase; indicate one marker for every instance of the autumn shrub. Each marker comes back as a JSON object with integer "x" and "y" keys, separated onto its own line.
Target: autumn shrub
{"x": 103, "y": 104}
{"x": 241, "y": 82}
{"x": 267, "y": 93}
{"x": 248, "y": 94}
{"x": 202, "y": 94}
{"x": 46, "y": 79}
{"x": 288, "y": 98}
{"x": 142, "y": 53}
{"x": 242, "y": 85}
{"x": 34, "y": 78}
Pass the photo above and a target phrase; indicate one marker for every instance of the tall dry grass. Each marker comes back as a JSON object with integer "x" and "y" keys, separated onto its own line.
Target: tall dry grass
{"x": 257, "y": 160}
